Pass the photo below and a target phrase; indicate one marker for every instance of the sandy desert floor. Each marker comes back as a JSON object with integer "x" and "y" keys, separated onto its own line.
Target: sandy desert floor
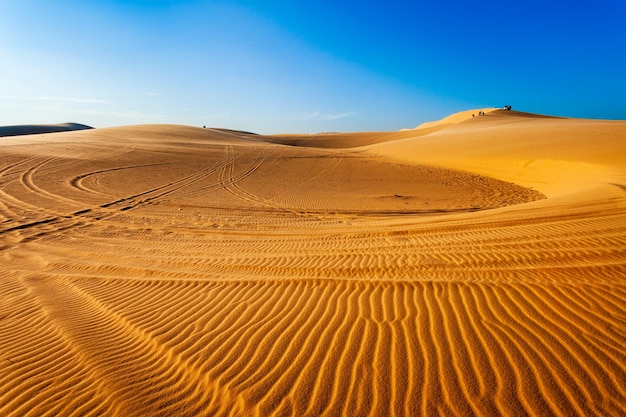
{"x": 475, "y": 266}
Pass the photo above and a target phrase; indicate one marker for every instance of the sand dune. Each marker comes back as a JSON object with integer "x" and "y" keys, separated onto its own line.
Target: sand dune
{"x": 456, "y": 118}
{"x": 467, "y": 268}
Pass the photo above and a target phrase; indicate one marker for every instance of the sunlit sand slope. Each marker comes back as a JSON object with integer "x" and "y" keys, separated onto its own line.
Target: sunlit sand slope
{"x": 169, "y": 270}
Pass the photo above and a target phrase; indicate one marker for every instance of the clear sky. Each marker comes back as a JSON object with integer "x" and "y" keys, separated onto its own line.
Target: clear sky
{"x": 307, "y": 66}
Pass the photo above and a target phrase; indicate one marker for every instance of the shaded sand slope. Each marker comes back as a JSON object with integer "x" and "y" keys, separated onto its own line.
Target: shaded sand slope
{"x": 169, "y": 270}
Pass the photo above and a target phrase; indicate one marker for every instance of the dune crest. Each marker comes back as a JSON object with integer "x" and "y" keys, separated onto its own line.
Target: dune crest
{"x": 172, "y": 270}
{"x": 455, "y": 118}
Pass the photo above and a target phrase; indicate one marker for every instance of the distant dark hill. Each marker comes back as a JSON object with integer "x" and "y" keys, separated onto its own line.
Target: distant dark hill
{"x": 18, "y": 130}
{"x": 243, "y": 132}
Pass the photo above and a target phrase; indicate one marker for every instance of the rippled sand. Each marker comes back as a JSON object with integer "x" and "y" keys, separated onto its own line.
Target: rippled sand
{"x": 475, "y": 266}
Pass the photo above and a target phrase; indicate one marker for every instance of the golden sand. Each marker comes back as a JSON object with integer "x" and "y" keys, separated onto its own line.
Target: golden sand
{"x": 475, "y": 266}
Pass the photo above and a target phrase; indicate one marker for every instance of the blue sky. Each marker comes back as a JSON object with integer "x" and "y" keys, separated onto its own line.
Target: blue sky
{"x": 307, "y": 66}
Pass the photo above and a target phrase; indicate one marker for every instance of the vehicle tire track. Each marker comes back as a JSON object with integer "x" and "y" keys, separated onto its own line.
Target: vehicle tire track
{"x": 77, "y": 181}
{"x": 34, "y": 229}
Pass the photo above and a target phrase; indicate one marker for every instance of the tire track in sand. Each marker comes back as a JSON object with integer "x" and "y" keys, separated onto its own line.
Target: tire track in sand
{"x": 78, "y": 180}
{"x": 229, "y": 179}
{"x": 31, "y": 230}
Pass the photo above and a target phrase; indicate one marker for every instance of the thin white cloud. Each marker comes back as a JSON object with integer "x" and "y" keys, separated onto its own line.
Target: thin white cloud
{"x": 310, "y": 116}
{"x": 123, "y": 114}
{"x": 218, "y": 116}
{"x": 152, "y": 94}
{"x": 58, "y": 99}
{"x": 326, "y": 116}
{"x": 338, "y": 116}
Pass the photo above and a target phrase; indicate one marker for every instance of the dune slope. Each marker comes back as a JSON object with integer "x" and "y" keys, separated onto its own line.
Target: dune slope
{"x": 169, "y": 270}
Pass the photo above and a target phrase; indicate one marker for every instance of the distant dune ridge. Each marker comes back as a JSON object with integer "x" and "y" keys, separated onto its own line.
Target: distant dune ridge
{"x": 19, "y": 130}
{"x": 471, "y": 266}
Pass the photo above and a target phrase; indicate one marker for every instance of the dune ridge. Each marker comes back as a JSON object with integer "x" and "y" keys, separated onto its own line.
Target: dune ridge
{"x": 169, "y": 270}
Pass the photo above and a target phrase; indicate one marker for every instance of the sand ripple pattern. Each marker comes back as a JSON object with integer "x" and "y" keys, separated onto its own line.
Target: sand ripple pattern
{"x": 192, "y": 290}
{"x": 312, "y": 348}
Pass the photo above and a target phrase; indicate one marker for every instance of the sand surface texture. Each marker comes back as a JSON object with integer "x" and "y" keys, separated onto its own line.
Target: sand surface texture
{"x": 471, "y": 267}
